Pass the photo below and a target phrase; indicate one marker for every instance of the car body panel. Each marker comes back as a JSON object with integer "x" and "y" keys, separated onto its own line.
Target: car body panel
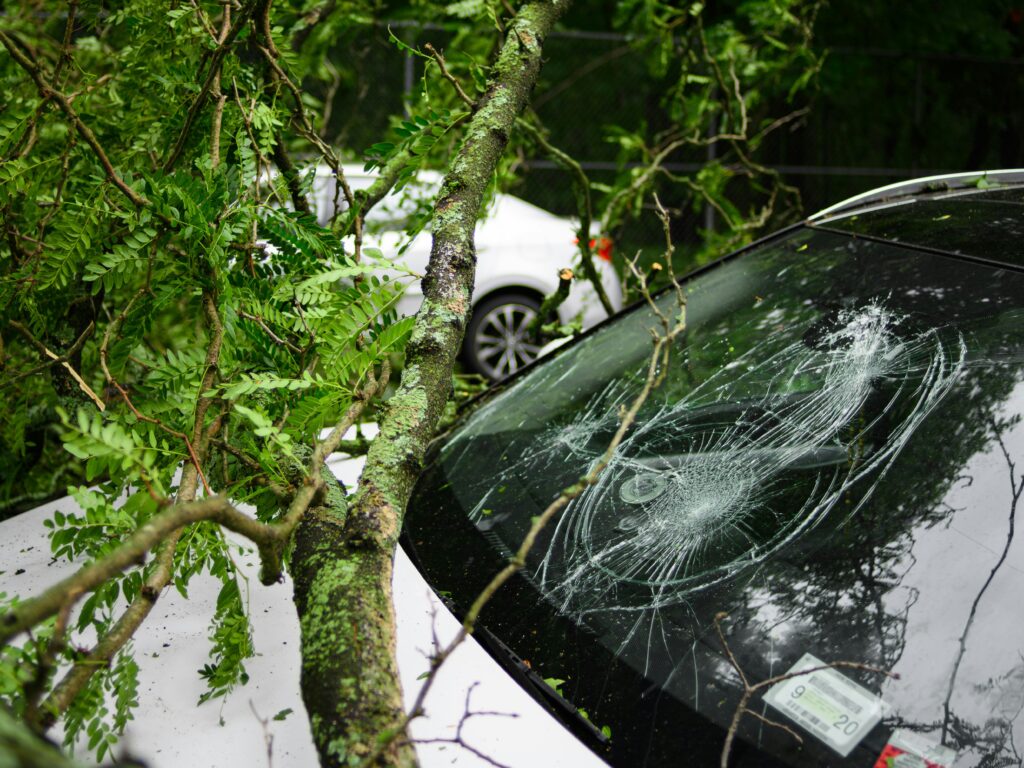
{"x": 905, "y": 189}
{"x": 984, "y": 225}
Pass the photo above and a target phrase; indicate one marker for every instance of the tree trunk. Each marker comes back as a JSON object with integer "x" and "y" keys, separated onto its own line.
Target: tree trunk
{"x": 342, "y": 560}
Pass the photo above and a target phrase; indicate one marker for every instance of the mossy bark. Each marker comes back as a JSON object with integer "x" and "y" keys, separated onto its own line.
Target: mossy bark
{"x": 342, "y": 561}
{"x": 343, "y": 596}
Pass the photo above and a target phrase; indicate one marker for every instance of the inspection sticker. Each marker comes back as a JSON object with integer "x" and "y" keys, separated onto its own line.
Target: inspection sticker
{"x": 826, "y": 703}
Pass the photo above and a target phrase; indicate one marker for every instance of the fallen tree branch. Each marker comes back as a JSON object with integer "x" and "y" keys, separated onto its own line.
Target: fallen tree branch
{"x": 584, "y": 208}
{"x": 270, "y": 539}
{"x": 344, "y": 558}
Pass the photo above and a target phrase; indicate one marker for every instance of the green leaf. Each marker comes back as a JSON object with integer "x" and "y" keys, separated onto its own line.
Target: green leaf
{"x": 555, "y": 684}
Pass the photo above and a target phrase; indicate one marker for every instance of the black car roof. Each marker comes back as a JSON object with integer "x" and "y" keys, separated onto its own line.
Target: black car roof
{"x": 923, "y": 186}
{"x": 982, "y": 219}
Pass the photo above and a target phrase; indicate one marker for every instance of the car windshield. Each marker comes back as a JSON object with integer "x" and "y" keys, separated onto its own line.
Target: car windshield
{"x": 832, "y": 462}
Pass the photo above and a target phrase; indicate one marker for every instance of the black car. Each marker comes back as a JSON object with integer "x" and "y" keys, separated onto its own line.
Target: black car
{"x": 830, "y": 472}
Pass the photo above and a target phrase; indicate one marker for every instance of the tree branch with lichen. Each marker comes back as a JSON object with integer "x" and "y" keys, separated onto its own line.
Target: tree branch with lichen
{"x": 337, "y": 682}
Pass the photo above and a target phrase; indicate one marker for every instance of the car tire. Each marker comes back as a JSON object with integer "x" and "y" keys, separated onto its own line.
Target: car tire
{"x": 496, "y": 343}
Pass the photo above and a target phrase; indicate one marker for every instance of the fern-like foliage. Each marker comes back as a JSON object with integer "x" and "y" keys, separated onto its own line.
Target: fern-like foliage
{"x": 231, "y": 638}
{"x": 101, "y": 712}
{"x": 69, "y": 247}
{"x": 169, "y": 327}
{"x": 417, "y": 137}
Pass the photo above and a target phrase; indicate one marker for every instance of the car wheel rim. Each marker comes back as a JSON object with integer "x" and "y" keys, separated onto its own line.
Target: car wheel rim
{"x": 501, "y": 340}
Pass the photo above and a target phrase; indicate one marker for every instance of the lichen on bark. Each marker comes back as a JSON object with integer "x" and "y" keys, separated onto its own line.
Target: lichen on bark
{"x": 343, "y": 557}
{"x": 343, "y": 596}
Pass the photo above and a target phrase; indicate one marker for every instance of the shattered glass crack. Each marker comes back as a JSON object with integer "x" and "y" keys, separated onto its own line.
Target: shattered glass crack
{"x": 682, "y": 504}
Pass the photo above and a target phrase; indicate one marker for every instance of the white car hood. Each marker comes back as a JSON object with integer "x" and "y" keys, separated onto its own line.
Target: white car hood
{"x": 170, "y": 730}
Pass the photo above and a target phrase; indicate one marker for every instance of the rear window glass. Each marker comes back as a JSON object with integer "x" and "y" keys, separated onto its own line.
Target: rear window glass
{"x": 985, "y": 224}
{"x": 832, "y": 461}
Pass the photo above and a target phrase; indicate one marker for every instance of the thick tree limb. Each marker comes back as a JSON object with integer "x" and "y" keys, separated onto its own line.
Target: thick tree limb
{"x": 350, "y": 685}
{"x": 394, "y": 460}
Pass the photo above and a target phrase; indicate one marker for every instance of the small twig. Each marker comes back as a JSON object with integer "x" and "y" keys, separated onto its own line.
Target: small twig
{"x": 99, "y": 82}
{"x": 776, "y": 724}
{"x": 260, "y": 479}
{"x": 584, "y": 208}
{"x": 65, "y": 48}
{"x": 303, "y": 123}
{"x": 750, "y": 690}
{"x": 58, "y": 360}
{"x": 552, "y": 302}
{"x": 268, "y": 737}
{"x": 47, "y": 91}
{"x": 78, "y": 379}
{"x": 302, "y": 318}
{"x": 441, "y": 65}
{"x": 670, "y": 250}
{"x": 458, "y": 739}
{"x": 273, "y": 336}
{"x": 291, "y": 176}
{"x": 212, "y": 76}
{"x": 204, "y": 21}
{"x": 365, "y": 199}
{"x": 202, "y": 402}
{"x": 620, "y": 200}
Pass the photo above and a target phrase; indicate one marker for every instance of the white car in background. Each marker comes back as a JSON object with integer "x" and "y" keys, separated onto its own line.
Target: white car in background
{"x": 520, "y": 250}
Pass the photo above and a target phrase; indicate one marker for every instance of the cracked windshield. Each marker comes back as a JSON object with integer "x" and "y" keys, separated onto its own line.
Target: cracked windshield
{"x": 829, "y": 468}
